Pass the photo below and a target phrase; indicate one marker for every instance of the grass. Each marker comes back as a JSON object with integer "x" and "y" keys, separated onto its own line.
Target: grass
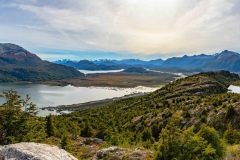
{"x": 123, "y": 80}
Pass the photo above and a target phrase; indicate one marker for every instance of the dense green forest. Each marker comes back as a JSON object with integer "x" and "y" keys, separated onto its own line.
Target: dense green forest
{"x": 191, "y": 118}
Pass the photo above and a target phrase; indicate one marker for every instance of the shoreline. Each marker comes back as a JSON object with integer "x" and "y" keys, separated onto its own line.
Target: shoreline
{"x": 88, "y": 105}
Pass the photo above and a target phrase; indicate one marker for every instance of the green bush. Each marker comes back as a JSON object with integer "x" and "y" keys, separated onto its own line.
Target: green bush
{"x": 232, "y": 136}
{"x": 212, "y": 137}
{"x": 185, "y": 144}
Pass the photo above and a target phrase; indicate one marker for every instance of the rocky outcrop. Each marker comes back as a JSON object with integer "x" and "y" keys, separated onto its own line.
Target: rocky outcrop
{"x": 111, "y": 152}
{"x": 117, "y": 153}
{"x": 89, "y": 141}
{"x": 33, "y": 151}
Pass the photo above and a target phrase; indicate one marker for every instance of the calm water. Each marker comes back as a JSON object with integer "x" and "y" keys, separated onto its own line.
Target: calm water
{"x": 102, "y": 71}
{"x": 234, "y": 89}
{"x": 45, "y": 95}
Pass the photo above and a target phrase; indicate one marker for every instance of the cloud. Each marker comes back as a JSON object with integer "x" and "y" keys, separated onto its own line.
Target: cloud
{"x": 138, "y": 26}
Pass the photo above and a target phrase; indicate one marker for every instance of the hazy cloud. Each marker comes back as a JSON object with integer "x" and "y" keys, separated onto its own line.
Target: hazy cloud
{"x": 137, "y": 26}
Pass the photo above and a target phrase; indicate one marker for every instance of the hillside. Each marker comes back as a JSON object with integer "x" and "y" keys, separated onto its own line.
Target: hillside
{"x": 202, "y": 92}
{"x": 189, "y": 119}
{"x": 136, "y": 70}
{"x": 18, "y": 64}
{"x": 193, "y": 101}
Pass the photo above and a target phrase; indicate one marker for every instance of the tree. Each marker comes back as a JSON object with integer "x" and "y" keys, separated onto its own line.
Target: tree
{"x": 183, "y": 145}
{"x": 50, "y": 128}
{"x": 13, "y": 100}
{"x": 65, "y": 142}
{"x": 146, "y": 135}
{"x": 87, "y": 130}
{"x": 29, "y": 107}
{"x": 32, "y": 109}
{"x": 212, "y": 137}
{"x": 16, "y": 125}
{"x": 230, "y": 112}
{"x": 156, "y": 129}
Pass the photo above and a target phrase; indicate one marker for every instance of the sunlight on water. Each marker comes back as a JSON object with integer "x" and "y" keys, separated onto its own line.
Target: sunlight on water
{"x": 45, "y": 95}
{"x": 102, "y": 71}
{"x": 234, "y": 89}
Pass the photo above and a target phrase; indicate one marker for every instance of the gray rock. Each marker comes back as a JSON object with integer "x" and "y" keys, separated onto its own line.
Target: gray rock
{"x": 92, "y": 141}
{"x": 110, "y": 152}
{"x": 138, "y": 154}
{"x": 33, "y": 151}
{"x": 116, "y": 153}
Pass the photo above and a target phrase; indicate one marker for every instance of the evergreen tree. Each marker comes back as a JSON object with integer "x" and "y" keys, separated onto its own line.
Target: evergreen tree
{"x": 184, "y": 144}
{"x": 32, "y": 109}
{"x": 156, "y": 131}
{"x": 12, "y": 100}
{"x": 50, "y": 128}
{"x": 212, "y": 137}
{"x": 65, "y": 142}
{"x": 230, "y": 112}
{"x": 87, "y": 130}
{"x": 146, "y": 135}
{"x": 29, "y": 107}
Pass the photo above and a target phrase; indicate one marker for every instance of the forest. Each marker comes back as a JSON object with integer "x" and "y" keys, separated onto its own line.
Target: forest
{"x": 193, "y": 118}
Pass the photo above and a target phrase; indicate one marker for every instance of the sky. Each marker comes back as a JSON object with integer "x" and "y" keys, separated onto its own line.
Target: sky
{"x": 117, "y": 29}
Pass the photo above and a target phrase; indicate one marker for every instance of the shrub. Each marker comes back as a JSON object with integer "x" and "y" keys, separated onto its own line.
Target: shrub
{"x": 212, "y": 137}
{"x": 232, "y": 136}
{"x": 184, "y": 144}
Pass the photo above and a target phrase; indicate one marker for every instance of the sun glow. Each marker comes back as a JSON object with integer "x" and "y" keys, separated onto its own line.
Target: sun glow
{"x": 137, "y": 26}
{"x": 153, "y": 4}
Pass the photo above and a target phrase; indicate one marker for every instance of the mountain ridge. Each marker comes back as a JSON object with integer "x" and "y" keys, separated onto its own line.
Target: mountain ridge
{"x": 18, "y": 64}
{"x": 225, "y": 60}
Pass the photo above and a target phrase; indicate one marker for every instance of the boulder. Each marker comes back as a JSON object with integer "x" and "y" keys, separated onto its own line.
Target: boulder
{"x": 88, "y": 141}
{"x": 33, "y": 151}
{"x": 110, "y": 153}
{"x": 116, "y": 153}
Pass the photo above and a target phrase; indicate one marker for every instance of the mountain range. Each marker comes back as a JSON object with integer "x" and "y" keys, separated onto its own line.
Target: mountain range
{"x": 105, "y": 64}
{"x": 18, "y": 64}
{"x": 225, "y": 60}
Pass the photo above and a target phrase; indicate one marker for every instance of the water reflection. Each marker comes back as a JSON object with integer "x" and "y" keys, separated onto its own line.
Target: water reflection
{"x": 45, "y": 95}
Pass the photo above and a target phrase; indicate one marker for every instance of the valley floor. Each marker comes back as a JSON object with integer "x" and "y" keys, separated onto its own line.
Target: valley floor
{"x": 123, "y": 80}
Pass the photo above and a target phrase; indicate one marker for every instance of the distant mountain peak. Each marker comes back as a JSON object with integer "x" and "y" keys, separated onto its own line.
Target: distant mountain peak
{"x": 226, "y": 55}
{"x": 229, "y": 52}
{"x": 18, "y": 64}
{"x": 9, "y": 50}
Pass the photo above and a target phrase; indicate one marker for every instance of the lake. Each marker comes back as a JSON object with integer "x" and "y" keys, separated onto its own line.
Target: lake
{"x": 45, "y": 95}
{"x": 101, "y": 71}
{"x": 234, "y": 89}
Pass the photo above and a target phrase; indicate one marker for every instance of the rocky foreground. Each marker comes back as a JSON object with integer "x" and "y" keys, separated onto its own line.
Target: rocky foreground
{"x": 37, "y": 151}
{"x": 33, "y": 151}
